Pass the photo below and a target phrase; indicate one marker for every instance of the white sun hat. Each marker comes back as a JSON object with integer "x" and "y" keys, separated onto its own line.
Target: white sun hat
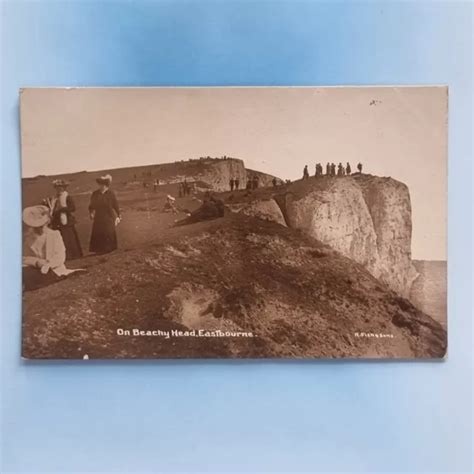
{"x": 36, "y": 216}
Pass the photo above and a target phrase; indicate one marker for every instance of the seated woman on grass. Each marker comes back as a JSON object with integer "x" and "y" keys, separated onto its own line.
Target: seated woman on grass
{"x": 44, "y": 253}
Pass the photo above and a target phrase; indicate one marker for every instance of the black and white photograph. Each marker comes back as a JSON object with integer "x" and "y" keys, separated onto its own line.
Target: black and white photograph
{"x": 234, "y": 222}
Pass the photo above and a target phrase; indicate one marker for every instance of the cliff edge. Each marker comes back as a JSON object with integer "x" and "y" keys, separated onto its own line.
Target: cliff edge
{"x": 365, "y": 218}
{"x": 214, "y": 174}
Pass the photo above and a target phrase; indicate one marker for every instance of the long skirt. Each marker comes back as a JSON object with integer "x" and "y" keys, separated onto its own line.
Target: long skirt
{"x": 103, "y": 237}
{"x": 34, "y": 279}
{"x": 71, "y": 242}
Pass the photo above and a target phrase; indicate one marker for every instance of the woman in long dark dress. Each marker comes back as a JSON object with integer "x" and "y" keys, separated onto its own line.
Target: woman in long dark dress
{"x": 105, "y": 213}
{"x": 62, "y": 210}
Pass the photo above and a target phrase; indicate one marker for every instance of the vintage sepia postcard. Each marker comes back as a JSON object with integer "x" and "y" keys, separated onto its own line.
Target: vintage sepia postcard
{"x": 234, "y": 222}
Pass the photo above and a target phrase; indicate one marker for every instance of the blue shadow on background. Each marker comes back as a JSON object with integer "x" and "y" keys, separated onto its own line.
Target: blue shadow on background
{"x": 223, "y": 416}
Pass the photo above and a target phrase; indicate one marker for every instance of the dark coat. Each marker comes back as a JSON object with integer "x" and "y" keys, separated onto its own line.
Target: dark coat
{"x": 68, "y": 210}
{"x": 67, "y": 227}
{"x": 106, "y": 209}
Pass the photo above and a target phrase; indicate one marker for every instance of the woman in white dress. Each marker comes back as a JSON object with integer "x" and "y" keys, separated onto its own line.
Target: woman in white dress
{"x": 44, "y": 253}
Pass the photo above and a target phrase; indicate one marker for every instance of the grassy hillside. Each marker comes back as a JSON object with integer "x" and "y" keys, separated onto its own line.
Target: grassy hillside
{"x": 235, "y": 274}
{"x": 36, "y": 188}
{"x": 296, "y": 296}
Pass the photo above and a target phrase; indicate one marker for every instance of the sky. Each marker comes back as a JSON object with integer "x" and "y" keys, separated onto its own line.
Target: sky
{"x": 394, "y": 131}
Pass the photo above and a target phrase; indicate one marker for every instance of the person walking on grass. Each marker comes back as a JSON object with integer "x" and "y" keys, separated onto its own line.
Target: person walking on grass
{"x": 104, "y": 211}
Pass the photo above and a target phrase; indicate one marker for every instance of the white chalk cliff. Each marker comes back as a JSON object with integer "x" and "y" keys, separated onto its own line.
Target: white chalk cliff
{"x": 365, "y": 218}
{"x": 213, "y": 174}
{"x": 219, "y": 173}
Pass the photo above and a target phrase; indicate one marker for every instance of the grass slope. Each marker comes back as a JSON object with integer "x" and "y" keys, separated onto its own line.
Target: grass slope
{"x": 236, "y": 273}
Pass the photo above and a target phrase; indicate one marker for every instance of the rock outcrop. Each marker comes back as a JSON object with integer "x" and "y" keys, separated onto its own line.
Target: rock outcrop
{"x": 266, "y": 209}
{"x": 365, "y": 218}
{"x": 217, "y": 174}
{"x": 212, "y": 174}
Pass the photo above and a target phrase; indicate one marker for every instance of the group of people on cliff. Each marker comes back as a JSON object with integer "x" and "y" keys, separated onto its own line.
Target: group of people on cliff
{"x": 234, "y": 183}
{"x": 51, "y": 238}
{"x": 253, "y": 182}
{"x": 331, "y": 170}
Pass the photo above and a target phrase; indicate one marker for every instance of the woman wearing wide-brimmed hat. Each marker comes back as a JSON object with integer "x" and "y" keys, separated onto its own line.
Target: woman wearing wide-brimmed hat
{"x": 105, "y": 212}
{"x": 44, "y": 253}
{"x": 62, "y": 209}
